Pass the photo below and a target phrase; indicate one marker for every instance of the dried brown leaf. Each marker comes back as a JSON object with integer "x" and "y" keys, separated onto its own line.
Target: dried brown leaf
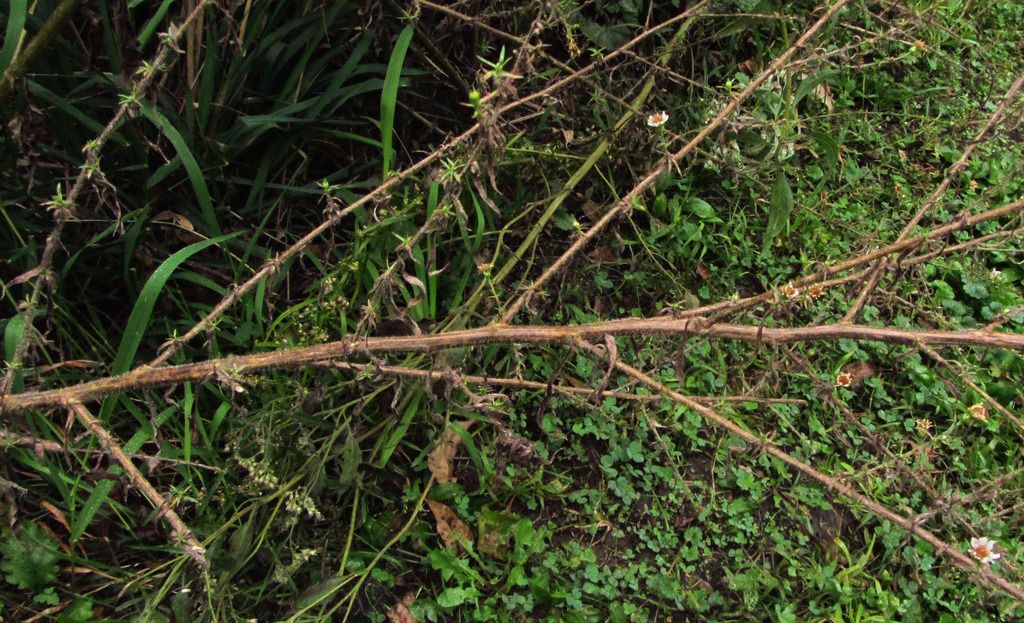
{"x": 603, "y": 255}
{"x": 400, "y": 613}
{"x": 450, "y": 528}
{"x": 440, "y": 460}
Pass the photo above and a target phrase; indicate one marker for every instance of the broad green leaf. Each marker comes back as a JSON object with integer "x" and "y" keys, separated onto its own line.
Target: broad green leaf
{"x": 389, "y": 95}
{"x": 780, "y": 208}
{"x": 399, "y": 433}
{"x": 92, "y": 505}
{"x": 12, "y": 335}
{"x": 154, "y": 23}
{"x": 808, "y": 84}
{"x": 351, "y": 457}
{"x": 829, "y": 148}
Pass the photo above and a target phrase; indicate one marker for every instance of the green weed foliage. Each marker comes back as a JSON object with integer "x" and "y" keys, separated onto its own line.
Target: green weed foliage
{"x": 315, "y": 490}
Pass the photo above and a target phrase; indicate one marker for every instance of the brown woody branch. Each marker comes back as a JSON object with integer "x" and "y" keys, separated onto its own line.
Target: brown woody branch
{"x": 979, "y": 572}
{"x": 904, "y": 246}
{"x": 65, "y": 211}
{"x": 938, "y": 193}
{"x": 272, "y": 265}
{"x": 181, "y": 531}
{"x": 497, "y": 381}
{"x": 641, "y": 187}
{"x": 228, "y": 367}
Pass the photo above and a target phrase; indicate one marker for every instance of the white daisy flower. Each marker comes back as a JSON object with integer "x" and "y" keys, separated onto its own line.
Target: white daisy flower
{"x": 984, "y": 550}
{"x": 657, "y": 119}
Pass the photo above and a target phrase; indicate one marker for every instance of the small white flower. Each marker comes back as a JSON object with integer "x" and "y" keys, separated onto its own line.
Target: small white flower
{"x": 984, "y": 550}
{"x": 657, "y": 119}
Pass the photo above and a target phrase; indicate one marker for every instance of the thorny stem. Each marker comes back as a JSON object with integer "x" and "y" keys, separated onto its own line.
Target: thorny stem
{"x": 180, "y": 531}
{"x": 502, "y": 334}
{"x": 934, "y": 198}
{"x": 380, "y": 191}
{"x": 497, "y": 381}
{"x": 66, "y": 210}
{"x": 982, "y": 574}
{"x": 641, "y": 187}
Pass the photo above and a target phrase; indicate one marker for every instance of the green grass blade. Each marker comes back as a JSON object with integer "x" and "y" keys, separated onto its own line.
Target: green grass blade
{"x": 389, "y": 95}
{"x": 195, "y": 174}
{"x": 12, "y": 335}
{"x": 92, "y": 505}
{"x": 134, "y": 330}
{"x": 17, "y": 11}
{"x": 143, "y": 309}
{"x": 154, "y": 23}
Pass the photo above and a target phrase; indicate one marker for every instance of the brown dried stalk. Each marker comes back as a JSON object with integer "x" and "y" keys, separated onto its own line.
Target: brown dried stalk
{"x": 938, "y": 193}
{"x": 721, "y": 309}
{"x": 496, "y": 381}
{"x": 180, "y": 531}
{"x": 227, "y": 367}
{"x": 980, "y": 573}
{"x": 641, "y": 187}
{"x": 272, "y": 265}
{"x": 65, "y": 209}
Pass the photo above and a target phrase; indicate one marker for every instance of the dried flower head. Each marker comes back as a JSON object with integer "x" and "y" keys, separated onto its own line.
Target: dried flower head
{"x": 790, "y": 291}
{"x": 923, "y": 424}
{"x": 658, "y": 119}
{"x": 984, "y": 550}
{"x": 815, "y": 290}
{"x": 978, "y": 411}
{"x": 844, "y": 379}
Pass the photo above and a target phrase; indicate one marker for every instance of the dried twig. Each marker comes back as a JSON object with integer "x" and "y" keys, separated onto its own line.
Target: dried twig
{"x": 271, "y": 266}
{"x": 648, "y": 180}
{"x": 938, "y": 193}
{"x": 65, "y": 208}
{"x": 982, "y": 574}
{"x": 180, "y": 531}
{"x": 501, "y": 334}
{"x": 497, "y": 381}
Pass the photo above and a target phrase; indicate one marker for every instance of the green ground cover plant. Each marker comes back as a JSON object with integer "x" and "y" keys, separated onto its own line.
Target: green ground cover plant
{"x": 544, "y": 311}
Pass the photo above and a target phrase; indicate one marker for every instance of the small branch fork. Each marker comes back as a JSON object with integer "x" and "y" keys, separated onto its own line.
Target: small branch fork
{"x": 503, "y": 334}
{"x": 938, "y": 193}
{"x": 980, "y": 573}
{"x": 180, "y": 531}
{"x": 641, "y": 187}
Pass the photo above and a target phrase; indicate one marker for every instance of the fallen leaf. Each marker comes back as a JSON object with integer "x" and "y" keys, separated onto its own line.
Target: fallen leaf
{"x": 592, "y": 209}
{"x": 26, "y": 276}
{"x": 859, "y": 371}
{"x": 173, "y": 218}
{"x": 703, "y": 272}
{"x": 494, "y": 532}
{"x": 56, "y": 513}
{"x": 440, "y": 460}
{"x": 603, "y": 255}
{"x": 400, "y": 613}
{"x": 450, "y": 528}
